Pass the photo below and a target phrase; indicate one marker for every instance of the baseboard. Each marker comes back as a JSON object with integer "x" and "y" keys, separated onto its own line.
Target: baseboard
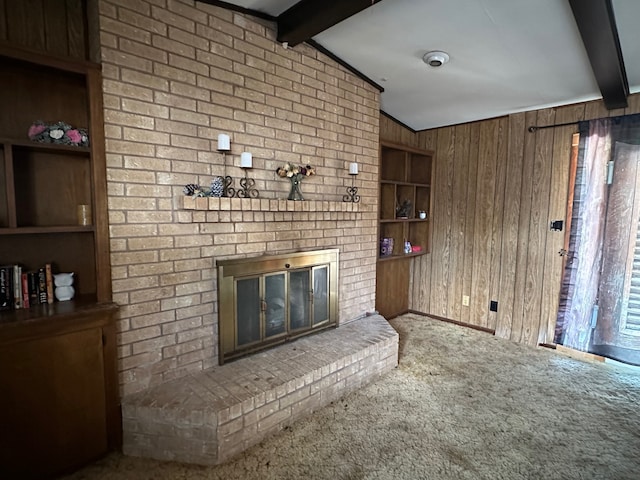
{"x": 578, "y": 354}
{"x": 455, "y": 322}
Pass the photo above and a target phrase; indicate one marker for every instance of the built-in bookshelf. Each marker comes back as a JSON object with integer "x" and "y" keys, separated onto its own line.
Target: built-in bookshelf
{"x": 405, "y": 179}
{"x": 404, "y": 222}
{"x": 45, "y": 183}
{"x": 59, "y": 367}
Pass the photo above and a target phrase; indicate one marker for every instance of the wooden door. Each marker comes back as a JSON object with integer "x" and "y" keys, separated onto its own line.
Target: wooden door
{"x": 618, "y": 295}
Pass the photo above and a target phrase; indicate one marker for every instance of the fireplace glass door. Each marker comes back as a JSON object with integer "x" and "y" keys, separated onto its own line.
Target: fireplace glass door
{"x": 248, "y": 290}
{"x": 268, "y": 300}
{"x": 299, "y": 300}
{"x": 320, "y": 294}
{"x": 275, "y": 295}
{"x": 279, "y": 304}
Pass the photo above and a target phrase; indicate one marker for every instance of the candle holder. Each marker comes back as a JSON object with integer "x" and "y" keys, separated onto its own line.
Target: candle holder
{"x": 224, "y": 145}
{"x": 228, "y": 190}
{"x": 352, "y": 191}
{"x": 247, "y": 185}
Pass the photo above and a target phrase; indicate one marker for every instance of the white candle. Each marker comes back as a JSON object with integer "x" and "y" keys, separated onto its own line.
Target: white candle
{"x": 353, "y": 168}
{"x": 224, "y": 143}
{"x": 246, "y": 160}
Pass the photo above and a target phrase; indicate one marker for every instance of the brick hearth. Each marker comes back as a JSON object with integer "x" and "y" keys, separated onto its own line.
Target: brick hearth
{"x": 208, "y": 417}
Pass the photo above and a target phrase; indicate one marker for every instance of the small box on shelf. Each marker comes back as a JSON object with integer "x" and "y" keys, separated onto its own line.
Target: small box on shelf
{"x": 386, "y": 246}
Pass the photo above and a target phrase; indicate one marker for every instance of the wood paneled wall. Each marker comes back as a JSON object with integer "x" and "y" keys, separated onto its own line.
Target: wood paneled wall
{"x": 497, "y": 188}
{"x": 55, "y": 27}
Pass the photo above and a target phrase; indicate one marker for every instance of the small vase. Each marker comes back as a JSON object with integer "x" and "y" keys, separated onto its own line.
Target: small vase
{"x": 295, "y": 193}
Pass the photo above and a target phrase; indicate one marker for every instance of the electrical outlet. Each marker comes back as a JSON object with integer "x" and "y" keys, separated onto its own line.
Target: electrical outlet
{"x": 465, "y": 300}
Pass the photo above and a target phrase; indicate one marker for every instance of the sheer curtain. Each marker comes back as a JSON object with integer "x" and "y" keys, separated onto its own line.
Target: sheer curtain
{"x": 599, "y": 270}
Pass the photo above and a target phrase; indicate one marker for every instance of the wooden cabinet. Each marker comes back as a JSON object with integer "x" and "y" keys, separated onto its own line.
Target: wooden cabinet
{"x": 59, "y": 401}
{"x": 405, "y": 180}
{"x": 392, "y": 287}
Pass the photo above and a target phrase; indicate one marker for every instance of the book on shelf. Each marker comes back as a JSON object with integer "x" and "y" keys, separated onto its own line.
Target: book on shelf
{"x": 20, "y": 288}
{"x": 17, "y": 287}
{"x": 25, "y": 290}
{"x": 49, "y": 281}
{"x": 42, "y": 285}
{"x": 6, "y": 287}
{"x": 32, "y": 282}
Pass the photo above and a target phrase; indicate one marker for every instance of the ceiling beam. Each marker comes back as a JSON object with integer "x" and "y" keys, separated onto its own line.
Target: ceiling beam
{"x": 597, "y": 26}
{"x": 309, "y": 17}
{"x": 238, "y": 8}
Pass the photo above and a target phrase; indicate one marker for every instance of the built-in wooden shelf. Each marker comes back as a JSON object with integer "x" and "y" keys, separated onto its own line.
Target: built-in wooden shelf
{"x": 59, "y": 371}
{"x": 385, "y": 258}
{"x": 406, "y": 175}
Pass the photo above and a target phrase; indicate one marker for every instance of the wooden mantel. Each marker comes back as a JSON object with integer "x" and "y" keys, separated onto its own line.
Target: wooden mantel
{"x": 269, "y": 205}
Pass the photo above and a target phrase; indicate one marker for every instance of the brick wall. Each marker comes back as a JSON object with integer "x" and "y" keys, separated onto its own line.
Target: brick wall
{"x": 176, "y": 74}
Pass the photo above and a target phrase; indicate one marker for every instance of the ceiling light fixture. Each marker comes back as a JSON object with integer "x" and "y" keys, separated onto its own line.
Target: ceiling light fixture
{"x": 435, "y": 59}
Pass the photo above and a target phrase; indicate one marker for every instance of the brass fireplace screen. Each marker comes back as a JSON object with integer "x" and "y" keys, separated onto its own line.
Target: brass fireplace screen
{"x": 271, "y": 299}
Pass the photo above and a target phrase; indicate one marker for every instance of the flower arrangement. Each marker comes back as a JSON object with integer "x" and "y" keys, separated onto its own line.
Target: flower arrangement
{"x": 291, "y": 170}
{"x": 59, "y": 132}
{"x": 295, "y": 174}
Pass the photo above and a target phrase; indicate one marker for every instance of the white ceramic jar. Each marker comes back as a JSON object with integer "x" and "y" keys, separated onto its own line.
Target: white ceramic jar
{"x": 64, "y": 286}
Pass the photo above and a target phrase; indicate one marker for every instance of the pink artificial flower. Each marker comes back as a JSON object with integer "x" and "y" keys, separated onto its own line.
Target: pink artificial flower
{"x": 35, "y": 130}
{"x": 74, "y": 136}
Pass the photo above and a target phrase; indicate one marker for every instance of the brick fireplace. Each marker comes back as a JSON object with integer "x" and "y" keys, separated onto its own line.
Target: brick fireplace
{"x": 176, "y": 74}
{"x": 208, "y": 415}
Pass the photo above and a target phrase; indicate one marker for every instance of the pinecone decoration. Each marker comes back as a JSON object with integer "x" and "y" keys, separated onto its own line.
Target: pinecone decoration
{"x": 191, "y": 189}
{"x": 217, "y": 187}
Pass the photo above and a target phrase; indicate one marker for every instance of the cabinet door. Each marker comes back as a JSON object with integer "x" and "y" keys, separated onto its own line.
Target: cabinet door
{"x": 52, "y": 405}
{"x": 392, "y": 287}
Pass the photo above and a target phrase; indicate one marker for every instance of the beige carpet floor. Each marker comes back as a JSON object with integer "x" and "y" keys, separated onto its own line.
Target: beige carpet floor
{"x": 461, "y": 405}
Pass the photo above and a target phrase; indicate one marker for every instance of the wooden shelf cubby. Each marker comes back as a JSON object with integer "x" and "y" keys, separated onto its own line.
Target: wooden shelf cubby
{"x": 406, "y": 174}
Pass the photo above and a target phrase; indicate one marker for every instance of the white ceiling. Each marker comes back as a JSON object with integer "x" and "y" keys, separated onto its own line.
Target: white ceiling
{"x": 507, "y": 56}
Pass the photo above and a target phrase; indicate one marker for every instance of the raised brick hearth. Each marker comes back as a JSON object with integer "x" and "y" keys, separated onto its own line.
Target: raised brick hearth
{"x": 208, "y": 417}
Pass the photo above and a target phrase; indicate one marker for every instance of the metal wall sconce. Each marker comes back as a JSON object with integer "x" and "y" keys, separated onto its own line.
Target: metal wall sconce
{"x": 352, "y": 191}
{"x": 224, "y": 146}
{"x": 247, "y": 185}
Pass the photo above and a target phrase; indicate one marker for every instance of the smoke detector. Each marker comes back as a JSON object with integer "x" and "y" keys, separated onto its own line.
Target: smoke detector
{"x": 435, "y": 59}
